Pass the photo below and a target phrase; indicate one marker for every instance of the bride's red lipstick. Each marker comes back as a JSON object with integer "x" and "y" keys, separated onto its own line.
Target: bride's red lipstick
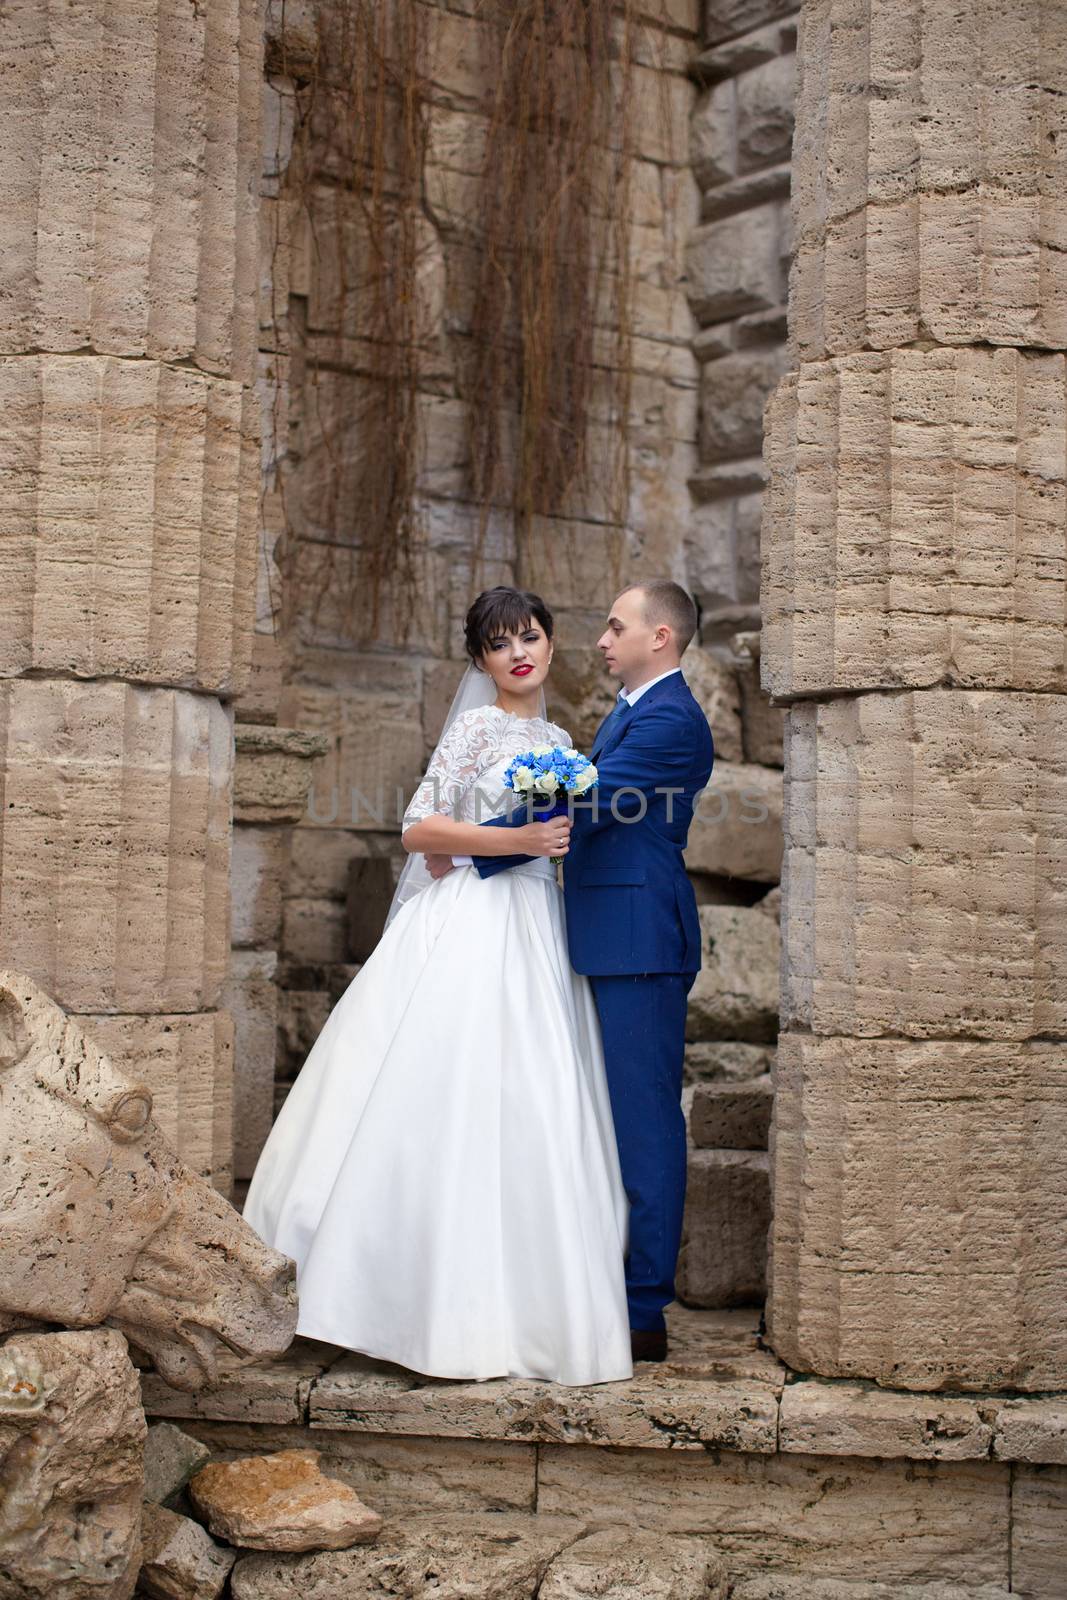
{"x": 521, "y": 672}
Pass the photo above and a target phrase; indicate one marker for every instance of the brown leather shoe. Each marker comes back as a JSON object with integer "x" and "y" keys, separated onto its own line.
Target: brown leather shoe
{"x": 648, "y": 1344}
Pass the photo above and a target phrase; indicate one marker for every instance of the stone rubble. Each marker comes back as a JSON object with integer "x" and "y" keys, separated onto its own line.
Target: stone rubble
{"x": 180, "y": 1560}
{"x": 281, "y": 1502}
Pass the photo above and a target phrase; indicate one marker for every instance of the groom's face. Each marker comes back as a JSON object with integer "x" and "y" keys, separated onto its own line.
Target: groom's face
{"x": 627, "y": 642}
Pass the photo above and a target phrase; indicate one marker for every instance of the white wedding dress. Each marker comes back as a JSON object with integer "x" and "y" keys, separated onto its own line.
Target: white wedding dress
{"x": 444, "y": 1170}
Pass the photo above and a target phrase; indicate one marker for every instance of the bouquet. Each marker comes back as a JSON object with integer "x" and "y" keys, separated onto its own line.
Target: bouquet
{"x": 544, "y": 773}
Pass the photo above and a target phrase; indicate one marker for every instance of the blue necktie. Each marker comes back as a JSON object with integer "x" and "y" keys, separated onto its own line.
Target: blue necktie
{"x": 612, "y": 720}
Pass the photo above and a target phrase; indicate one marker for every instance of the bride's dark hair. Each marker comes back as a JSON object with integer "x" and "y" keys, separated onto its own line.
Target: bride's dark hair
{"x": 502, "y": 610}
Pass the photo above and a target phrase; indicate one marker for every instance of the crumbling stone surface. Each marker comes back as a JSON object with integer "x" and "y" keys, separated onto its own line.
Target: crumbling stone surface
{"x": 72, "y": 1438}
{"x": 135, "y": 1239}
{"x": 449, "y": 1557}
{"x": 732, "y": 1116}
{"x": 619, "y": 1564}
{"x": 722, "y": 1260}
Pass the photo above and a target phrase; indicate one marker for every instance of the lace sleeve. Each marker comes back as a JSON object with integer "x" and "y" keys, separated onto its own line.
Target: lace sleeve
{"x": 464, "y": 751}
{"x": 560, "y": 736}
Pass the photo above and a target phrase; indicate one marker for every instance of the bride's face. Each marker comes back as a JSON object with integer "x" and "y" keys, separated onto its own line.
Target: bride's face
{"x": 518, "y": 662}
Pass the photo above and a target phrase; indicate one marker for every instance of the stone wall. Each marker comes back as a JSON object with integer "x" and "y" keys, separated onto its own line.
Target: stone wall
{"x": 380, "y": 706}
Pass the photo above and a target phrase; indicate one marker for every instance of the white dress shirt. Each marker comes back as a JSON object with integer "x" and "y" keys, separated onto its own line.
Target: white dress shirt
{"x": 631, "y": 696}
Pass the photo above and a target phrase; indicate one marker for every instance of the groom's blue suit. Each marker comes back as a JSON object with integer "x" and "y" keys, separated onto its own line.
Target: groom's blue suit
{"x": 633, "y": 929}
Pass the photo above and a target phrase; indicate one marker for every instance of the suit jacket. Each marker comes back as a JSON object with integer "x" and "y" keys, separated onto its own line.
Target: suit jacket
{"x": 630, "y": 907}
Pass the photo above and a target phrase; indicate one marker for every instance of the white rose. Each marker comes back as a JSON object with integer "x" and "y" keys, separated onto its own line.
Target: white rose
{"x": 585, "y": 780}
{"x": 547, "y": 783}
{"x": 572, "y": 753}
{"x": 542, "y": 749}
{"x": 522, "y": 777}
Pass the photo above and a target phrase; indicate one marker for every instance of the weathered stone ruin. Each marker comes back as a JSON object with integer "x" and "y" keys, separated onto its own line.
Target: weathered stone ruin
{"x": 202, "y": 373}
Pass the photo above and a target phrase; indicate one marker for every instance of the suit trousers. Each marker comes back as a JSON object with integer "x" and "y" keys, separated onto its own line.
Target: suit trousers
{"x": 642, "y": 1023}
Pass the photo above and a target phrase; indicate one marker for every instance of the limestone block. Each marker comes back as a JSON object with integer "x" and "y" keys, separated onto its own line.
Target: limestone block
{"x": 273, "y": 771}
{"x": 735, "y": 995}
{"x": 714, "y": 684}
{"x": 314, "y": 932}
{"x": 171, "y": 1457}
{"x": 732, "y": 1116}
{"x": 282, "y": 1502}
{"x": 614, "y": 1564}
{"x": 252, "y": 999}
{"x": 258, "y": 868}
{"x": 130, "y": 502}
{"x": 581, "y": 693}
{"x": 849, "y": 1420}
{"x": 733, "y": 392}
{"x": 713, "y": 135}
{"x": 116, "y": 842}
{"x": 501, "y": 1557}
{"x": 181, "y": 1561}
{"x": 925, "y": 862}
{"x": 722, "y": 546}
{"x": 1038, "y": 1539}
{"x": 930, "y": 178}
{"x": 137, "y": 135}
{"x": 762, "y": 724}
{"x": 1032, "y": 1430}
{"x": 135, "y": 1238}
{"x": 375, "y": 758}
{"x": 723, "y": 1255}
{"x": 737, "y": 824}
{"x": 915, "y": 525}
{"x": 72, "y": 1438}
{"x": 371, "y": 882}
{"x": 186, "y": 1062}
{"x": 924, "y": 1522}
{"x": 879, "y": 1271}
{"x": 725, "y": 18}
{"x": 723, "y": 1061}
{"x": 661, "y": 1411}
{"x": 735, "y": 264}
{"x": 265, "y": 1394}
{"x": 398, "y": 1474}
{"x": 765, "y": 113}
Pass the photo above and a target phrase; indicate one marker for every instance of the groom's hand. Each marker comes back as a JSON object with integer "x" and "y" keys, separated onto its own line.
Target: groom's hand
{"x": 438, "y": 866}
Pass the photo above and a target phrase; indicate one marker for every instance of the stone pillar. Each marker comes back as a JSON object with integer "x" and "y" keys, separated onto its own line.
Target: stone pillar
{"x": 128, "y": 465}
{"x": 914, "y": 581}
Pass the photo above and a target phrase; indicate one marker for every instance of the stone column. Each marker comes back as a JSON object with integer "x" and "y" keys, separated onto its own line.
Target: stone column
{"x": 915, "y": 557}
{"x": 128, "y": 465}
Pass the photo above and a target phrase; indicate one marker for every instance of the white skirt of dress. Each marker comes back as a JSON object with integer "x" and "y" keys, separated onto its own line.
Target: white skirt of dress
{"x": 444, "y": 1170}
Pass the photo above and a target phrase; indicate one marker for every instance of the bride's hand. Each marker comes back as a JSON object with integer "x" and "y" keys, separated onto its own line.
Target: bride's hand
{"x": 550, "y": 838}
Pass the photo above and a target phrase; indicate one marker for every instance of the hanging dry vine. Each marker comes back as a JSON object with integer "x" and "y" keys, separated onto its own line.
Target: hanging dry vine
{"x": 550, "y": 323}
{"x": 354, "y": 182}
{"x": 553, "y": 313}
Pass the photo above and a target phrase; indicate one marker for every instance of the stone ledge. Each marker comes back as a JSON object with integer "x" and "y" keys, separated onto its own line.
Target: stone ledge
{"x": 719, "y": 1391}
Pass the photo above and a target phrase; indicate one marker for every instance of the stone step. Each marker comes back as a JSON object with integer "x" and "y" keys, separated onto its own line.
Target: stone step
{"x": 720, "y": 1388}
{"x": 847, "y": 1490}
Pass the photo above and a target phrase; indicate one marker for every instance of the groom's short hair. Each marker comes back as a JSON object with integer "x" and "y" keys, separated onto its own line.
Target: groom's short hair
{"x": 666, "y": 601}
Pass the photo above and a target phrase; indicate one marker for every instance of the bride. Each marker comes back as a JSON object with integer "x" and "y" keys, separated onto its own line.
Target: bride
{"x": 444, "y": 1170}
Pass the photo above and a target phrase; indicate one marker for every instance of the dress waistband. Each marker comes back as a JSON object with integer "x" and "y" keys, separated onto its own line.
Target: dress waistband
{"x": 539, "y": 867}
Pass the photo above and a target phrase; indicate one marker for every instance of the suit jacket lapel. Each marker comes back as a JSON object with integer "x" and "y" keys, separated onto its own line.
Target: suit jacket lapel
{"x": 606, "y": 735}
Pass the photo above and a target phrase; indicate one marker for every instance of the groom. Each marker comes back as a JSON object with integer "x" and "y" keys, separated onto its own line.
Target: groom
{"x": 632, "y": 924}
